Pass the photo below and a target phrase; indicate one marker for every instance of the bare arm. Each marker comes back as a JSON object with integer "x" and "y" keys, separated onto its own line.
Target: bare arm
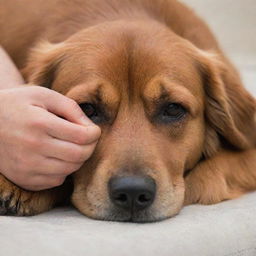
{"x": 10, "y": 76}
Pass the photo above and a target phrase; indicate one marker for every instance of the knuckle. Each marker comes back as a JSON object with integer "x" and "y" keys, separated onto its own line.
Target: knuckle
{"x": 38, "y": 122}
{"x": 31, "y": 142}
{"x": 37, "y": 91}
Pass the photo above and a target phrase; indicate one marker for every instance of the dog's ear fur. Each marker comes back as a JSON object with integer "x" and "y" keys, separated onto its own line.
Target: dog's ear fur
{"x": 230, "y": 111}
{"x": 41, "y": 68}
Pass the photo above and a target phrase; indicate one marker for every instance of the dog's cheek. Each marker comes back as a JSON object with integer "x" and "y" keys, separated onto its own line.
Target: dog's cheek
{"x": 90, "y": 194}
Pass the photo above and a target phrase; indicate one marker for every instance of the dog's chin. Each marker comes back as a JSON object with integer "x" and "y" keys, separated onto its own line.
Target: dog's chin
{"x": 144, "y": 216}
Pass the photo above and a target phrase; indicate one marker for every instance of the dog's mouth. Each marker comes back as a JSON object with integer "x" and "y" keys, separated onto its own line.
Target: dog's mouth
{"x": 144, "y": 216}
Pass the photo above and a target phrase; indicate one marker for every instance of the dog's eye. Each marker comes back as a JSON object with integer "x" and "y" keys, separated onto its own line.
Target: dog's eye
{"x": 89, "y": 109}
{"x": 172, "y": 112}
{"x": 95, "y": 112}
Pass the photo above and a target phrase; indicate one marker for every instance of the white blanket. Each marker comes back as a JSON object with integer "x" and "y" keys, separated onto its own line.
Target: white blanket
{"x": 225, "y": 229}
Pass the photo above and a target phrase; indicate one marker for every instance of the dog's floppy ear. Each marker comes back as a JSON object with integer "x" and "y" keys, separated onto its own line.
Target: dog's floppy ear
{"x": 41, "y": 67}
{"x": 230, "y": 110}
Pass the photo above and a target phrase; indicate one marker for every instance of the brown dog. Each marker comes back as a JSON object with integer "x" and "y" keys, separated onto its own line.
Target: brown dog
{"x": 177, "y": 125}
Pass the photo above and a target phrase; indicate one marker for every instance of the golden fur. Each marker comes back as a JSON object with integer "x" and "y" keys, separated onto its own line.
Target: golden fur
{"x": 129, "y": 55}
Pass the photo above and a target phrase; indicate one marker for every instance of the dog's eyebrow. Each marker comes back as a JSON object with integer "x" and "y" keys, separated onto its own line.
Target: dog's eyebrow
{"x": 164, "y": 94}
{"x": 96, "y": 93}
{"x": 174, "y": 93}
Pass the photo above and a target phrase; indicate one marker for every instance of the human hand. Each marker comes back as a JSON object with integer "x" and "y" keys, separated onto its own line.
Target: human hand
{"x": 38, "y": 148}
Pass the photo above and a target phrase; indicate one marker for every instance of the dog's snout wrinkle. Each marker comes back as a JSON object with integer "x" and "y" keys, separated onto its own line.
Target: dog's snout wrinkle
{"x": 132, "y": 193}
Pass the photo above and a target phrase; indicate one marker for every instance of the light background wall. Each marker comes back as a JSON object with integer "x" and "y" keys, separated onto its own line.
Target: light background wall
{"x": 234, "y": 24}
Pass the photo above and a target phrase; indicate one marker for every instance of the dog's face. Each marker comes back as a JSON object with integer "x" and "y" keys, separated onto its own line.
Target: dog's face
{"x": 144, "y": 87}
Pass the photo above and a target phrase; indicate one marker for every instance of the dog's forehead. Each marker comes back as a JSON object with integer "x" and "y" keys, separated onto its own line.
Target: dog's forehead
{"x": 130, "y": 62}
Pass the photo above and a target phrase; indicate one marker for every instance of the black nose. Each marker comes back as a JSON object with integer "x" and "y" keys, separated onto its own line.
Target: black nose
{"x": 132, "y": 193}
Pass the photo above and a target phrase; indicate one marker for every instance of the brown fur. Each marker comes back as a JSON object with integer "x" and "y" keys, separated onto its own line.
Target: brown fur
{"x": 129, "y": 55}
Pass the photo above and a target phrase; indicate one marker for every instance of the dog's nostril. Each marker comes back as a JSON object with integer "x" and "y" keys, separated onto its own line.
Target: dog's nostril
{"x": 144, "y": 198}
{"x": 121, "y": 197}
{"x": 132, "y": 193}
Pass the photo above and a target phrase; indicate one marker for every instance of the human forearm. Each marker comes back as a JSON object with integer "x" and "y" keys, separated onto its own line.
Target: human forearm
{"x": 9, "y": 74}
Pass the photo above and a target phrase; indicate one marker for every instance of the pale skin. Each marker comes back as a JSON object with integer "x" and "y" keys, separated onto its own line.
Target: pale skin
{"x": 38, "y": 148}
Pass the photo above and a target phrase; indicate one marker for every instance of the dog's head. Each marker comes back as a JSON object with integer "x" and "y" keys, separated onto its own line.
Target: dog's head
{"x": 162, "y": 105}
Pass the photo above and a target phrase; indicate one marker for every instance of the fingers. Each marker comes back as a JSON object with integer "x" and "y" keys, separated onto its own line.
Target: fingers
{"x": 76, "y": 131}
{"x": 67, "y": 151}
{"x": 64, "y": 130}
{"x": 51, "y": 173}
{"x": 61, "y": 105}
{"x": 42, "y": 182}
{"x": 55, "y": 167}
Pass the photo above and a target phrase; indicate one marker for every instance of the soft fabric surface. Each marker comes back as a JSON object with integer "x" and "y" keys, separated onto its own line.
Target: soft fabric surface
{"x": 225, "y": 229}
